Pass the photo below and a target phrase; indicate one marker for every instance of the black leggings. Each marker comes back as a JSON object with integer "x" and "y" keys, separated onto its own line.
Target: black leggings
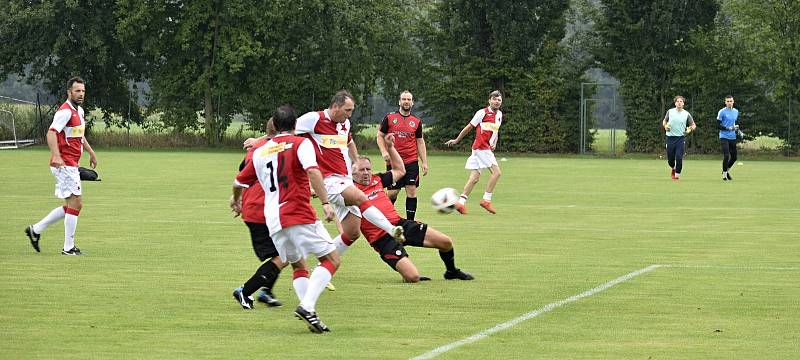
{"x": 675, "y": 148}
{"x": 728, "y": 153}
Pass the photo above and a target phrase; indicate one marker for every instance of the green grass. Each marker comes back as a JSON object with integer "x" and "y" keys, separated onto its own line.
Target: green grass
{"x": 602, "y": 143}
{"x": 164, "y": 253}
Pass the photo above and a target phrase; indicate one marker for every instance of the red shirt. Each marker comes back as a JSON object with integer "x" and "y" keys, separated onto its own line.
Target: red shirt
{"x": 487, "y": 124}
{"x": 280, "y": 166}
{"x": 406, "y": 130}
{"x": 253, "y": 197}
{"x": 330, "y": 140}
{"x": 69, "y": 126}
{"x": 380, "y": 200}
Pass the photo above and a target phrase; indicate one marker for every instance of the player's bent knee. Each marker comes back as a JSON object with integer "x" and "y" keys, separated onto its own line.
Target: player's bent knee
{"x": 407, "y": 270}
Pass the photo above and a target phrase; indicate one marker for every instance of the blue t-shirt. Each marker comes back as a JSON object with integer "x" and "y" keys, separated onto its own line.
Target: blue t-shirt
{"x": 727, "y": 118}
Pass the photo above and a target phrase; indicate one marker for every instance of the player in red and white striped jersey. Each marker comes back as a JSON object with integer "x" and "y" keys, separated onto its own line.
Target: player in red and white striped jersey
{"x": 486, "y": 123}
{"x": 66, "y": 141}
{"x": 330, "y": 130}
{"x": 284, "y": 167}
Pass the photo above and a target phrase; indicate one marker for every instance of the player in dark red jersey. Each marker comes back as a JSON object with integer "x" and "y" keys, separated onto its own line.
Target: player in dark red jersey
{"x": 416, "y": 233}
{"x": 67, "y": 142}
{"x": 283, "y": 167}
{"x": 410, "y": 144}
{"x": 486, "y": 123}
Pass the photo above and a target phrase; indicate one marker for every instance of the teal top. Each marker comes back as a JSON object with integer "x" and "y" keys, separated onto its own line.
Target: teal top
{"x": 677, "y": 121}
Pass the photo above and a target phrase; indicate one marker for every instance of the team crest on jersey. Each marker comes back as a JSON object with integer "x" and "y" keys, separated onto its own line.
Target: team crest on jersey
{"x": 411, "y": 123}
{"x": 394, "y": 121}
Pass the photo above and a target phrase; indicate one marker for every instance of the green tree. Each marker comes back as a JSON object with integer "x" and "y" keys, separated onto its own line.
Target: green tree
{"x": 645, "y": 44}
{"x": 193, "y": 54}
{"x": 769, "y": 30}
{"x": 53, "y": 40}
{"x": 474, "y": 47}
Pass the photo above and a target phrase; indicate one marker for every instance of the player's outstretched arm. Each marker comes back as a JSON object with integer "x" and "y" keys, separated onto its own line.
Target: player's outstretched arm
{"x": 398, "y": 168}
{"x": 382, "y": 146}
{"x": 460, "y": 136}
{"x": 248, "y": 143}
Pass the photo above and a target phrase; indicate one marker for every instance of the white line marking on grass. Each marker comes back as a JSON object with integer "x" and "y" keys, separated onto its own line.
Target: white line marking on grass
{"x": 733, "y": 267}
{"x": 549, "y": 307}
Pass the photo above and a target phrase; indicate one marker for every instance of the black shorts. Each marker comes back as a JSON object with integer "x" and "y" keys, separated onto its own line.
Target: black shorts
{"x": 262, "y": 242}
{"x": 410, "y": 178}
{"x": 391, "y": 251}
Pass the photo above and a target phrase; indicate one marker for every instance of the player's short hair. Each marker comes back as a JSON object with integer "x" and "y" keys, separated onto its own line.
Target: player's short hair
{"x": 406, "y": 92}
{"x": 74, "y": 79}
{"x": 495, "y": 94}
{"x": 679, "y": 97}
{"x": 364, "y": 157}
{"x": 284, "y": 118}
{"x": 340, "y": 97}
{"x": 728, "y": 97}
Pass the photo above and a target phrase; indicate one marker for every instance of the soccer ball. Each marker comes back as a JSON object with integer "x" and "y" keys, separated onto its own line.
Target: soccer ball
{"x": 444, "y": 200}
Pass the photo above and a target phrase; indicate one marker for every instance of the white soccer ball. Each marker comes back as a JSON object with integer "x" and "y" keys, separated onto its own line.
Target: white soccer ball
{"x": 444, "y": 200}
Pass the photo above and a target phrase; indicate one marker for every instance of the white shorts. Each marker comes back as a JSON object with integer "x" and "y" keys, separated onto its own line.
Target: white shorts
{"x": 299, "y": 241}
{"x": 481, "y": 159}
{"x": 334, "y": 186}
{"x": 68, "y": 181}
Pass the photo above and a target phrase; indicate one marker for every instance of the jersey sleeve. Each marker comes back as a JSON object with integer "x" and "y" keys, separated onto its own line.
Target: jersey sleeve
{"x": 60, "y": 119}
{"x": 306, "y": 123}
{"x": 387, "y": 179}
{"x": 384, "y": 127}
{"x": 247, "y": 176}
{"x": 477, "y": 118}
{"x": 418, "y": 133}
{"x": 305, "y": 153}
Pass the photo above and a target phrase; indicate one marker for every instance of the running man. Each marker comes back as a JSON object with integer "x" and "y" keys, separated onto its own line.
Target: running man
{"x": 486, "y": 123}
{"x": 726, "y": 122}
{"x": 677, "y": 123}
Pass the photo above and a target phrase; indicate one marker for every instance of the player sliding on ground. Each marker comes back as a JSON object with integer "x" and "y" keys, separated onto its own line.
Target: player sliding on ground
{"x": 416, "y": 234}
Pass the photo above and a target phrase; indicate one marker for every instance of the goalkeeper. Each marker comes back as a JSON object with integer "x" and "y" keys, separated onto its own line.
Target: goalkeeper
{"x": 726, "y": 123}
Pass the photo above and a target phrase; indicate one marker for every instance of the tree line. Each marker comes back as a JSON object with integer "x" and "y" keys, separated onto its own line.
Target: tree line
{"x": 207, "y": 61}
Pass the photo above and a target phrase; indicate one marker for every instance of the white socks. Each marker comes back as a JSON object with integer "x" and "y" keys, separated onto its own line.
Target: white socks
{"x": 463, "y": 199}
{"x": 54, "y": 215}
{"x": 487, "y": 196}
{"x": 300, "y": 286}
{"x": 70, "y": 223}
{"x": 320, "y": 277}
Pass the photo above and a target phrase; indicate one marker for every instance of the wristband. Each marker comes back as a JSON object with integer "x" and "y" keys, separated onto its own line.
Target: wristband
{"x": 326, "y": 203}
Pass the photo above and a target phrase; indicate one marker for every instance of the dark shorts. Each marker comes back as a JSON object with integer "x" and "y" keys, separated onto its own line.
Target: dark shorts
{"x": 262, "y": 242}
{"x": 410, "y": 178}
{"x": 391, "y": 251}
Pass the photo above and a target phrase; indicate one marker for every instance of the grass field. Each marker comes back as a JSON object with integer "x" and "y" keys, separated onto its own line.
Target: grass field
{"x": 564, "y": 271}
